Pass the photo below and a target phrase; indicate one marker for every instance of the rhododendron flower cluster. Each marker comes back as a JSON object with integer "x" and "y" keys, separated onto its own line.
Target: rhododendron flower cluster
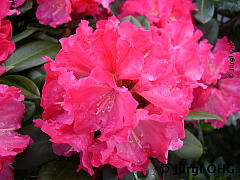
{"x": 5, "y": 11}
{"x": 159, "y": 12}
{"x": 116, "y": 93}
{"x": 221, "y": 95}
{"x": 11, "y": 143}
{"x": 134, "y": 96}
{"x": 6, "y": 47}
{"x": 57, "y": 12}
{"x": 11, "y": 107}
{"x": 175, "y": 23}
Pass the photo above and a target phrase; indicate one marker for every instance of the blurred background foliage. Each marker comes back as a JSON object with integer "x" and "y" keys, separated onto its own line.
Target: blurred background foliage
{"x": 218, "y": 148}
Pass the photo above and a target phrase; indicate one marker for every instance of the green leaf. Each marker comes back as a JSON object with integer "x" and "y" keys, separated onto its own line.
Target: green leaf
{"x": 109, "y": 173}
{"x": 22, "y": 35}
{"x": 205, "y": 10}
{"x": 29, "y": 111}
{"x": 40, "y": 81}
{"x": 229, "y": 5}
{"x": 137, "y": 21}
{"x": 201, "y": 115}
{"x": 210, "y": 31}
{"x": 114, "y": 7}
{"x": 38, "y": 153}
{"x": 143, "y": 21}
{"x": 27, "y": 86}
{"x": 62, "y": 169}
{"x": 30, "y": 55}
{"x": 36, "y": 72}
{"x": 206, "y": 126}
{"x": 132, "y": 19}
{"x": 236, "y": 26}
{"x": 192, "y": 148}
{"x": 128, "y": 176}
{"x": 151, "y": 174}
{"x": 39, "y": 110}
{"x": 38, "y": 75}
{"x": 44, "y": 28}
{"x": 25, "y": 7}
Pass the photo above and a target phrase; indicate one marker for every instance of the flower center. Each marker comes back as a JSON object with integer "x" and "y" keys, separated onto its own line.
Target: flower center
{"x": 136, "y": 136}
{"x": 126, "y": 83}
{"x": 106, "y": 102}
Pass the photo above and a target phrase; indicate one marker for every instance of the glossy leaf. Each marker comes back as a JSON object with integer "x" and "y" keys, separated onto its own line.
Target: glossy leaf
{"x": 109, "y": 173}
{"x": 62, "y": 169}
{"x": 28, "y": 87}
{"x": 30, "y": 55}
{"x": 201, "y": 115}
{"x": 114, "y": 7}
{"x": 151, "y": 174}
{"x": 143, "y": 21}
{"x": 38, "y": 75}
{"x": 206, "y": 126}
{"x": 22, "y": 35}
{"x": 36, "y": 72}
{"x": 191, "y": 149}
{"x": 23, "y": 8}
{"x": 210, "y": 31}
{"x": 137, "y": 21}
{"x": 43, "y": 28}
{"x": 38, "y": 153}
{"x": 26, "y": 6}
{"x": 29, "y": 111}
{"x": 229, "y": 5}
{"x": 205, "y": 10}
{"x": 236, "y": 26}
{"x": 132, "y": 19}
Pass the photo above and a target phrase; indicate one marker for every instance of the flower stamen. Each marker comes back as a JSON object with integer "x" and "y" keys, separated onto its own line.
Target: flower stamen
{"x": 137, "y": 139}
{"x": 105, "y": 103}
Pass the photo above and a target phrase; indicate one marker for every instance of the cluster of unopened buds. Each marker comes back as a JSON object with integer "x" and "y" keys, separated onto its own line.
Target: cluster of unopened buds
{"x": 119, "y": 94}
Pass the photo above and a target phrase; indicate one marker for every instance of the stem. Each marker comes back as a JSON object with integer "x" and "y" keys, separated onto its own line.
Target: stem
{"x": 200, "y": 133}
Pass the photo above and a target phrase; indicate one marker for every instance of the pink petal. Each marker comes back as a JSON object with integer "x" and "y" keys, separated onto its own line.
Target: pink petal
{"x": 4, "y": 5}
{"x": 86, "y": 6}
{"x": 6, "y": 173}
{"x": 11, "y": 108}
{"x": 18, "y": 3}
{"x": 53, "y": 12}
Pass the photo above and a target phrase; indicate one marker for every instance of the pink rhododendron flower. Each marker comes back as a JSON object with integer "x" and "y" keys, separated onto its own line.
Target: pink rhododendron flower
{"x": 179, "y": 54}
{"x": 110, "y": 47}
{"x": 5, "y": 29}
{"x": 7, "y": 173}
{"x": 18, "y": 3}
{"x": 221, "y": 96}
{"x": 53, "y": 12}
{"x": 58, "y": 12}
{"x": 6, "y": 49}
{"x": 105, "y": 3}
{"x": 11, "y": 143}
{"x": 60, "y": 122}
{"x": 144, "y": 141}
{"x": 159, "y": 12}
{"x": 124, "y": 103}
{"x": 103, "y": 105}
{"x": 86, "y": 6}
{"x": 217, "y": 62}
{"x": 5, "y": 11}
{"x": 6, "y": 46}
{"x": 2, "y": 70}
